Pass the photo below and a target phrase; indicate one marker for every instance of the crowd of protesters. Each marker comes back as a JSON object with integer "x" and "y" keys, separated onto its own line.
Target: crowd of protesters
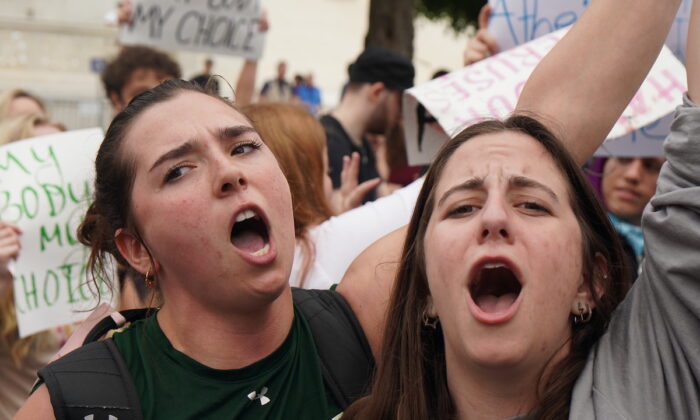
{"x": 293, "y": 264}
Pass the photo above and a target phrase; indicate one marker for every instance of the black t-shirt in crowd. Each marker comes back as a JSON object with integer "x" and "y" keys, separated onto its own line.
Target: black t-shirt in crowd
{"x": 339, "y": 145}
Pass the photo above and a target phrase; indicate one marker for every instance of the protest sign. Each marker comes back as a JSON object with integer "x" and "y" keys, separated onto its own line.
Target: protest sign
{"x": 229, "y": 27}
{"x": 490, "y": 89}
{"x": 45, "y": 187}
{"x": 514, "y": 22}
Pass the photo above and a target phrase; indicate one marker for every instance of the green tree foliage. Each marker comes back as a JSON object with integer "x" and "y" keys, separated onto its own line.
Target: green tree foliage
{"x": 460, "y": 13}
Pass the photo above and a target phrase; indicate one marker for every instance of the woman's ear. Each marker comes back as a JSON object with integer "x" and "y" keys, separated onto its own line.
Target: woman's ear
{"x": 133, "y": 251}
{"x": 600, "y": 279}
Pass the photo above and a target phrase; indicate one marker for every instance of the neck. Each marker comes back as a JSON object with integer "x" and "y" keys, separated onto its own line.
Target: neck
{"x": 496, "y": 392}
{"x": 492, "y": 398}
{"x": 201, "y": 333}
{"x": 353, "y": 116}
{"x": 633, "y": 219}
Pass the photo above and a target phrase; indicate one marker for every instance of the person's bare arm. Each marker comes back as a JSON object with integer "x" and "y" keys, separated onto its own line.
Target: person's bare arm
{"x": 368, "y": 283}
{"x": 245, "y": 87}
{"x": 37, "y": 406}
{"x": 582, "y": 86}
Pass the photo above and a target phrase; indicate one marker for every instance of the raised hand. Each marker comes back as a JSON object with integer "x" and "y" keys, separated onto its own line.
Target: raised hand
{"x": 483, "y": 44}
{"x": 9, "y": 250}
{"x": 350, "y": 194}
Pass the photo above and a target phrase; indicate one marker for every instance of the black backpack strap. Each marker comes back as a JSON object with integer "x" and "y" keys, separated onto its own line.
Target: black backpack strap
{"x": 346, "y": 358}
{"x": 92, "y": 380}
{"x": 108, "y": 323}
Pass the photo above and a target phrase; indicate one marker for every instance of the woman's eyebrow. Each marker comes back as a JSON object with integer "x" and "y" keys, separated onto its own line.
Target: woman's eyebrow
{"x": 231, "y": 132}
{"x": 525, "y": 182}
{"x": 225, "y": 133}
{"x": 175, "y": 153}
{"x": 470, "y": 184}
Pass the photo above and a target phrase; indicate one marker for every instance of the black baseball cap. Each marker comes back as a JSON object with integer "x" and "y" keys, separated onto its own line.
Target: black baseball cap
{"x": 378, "y": 64}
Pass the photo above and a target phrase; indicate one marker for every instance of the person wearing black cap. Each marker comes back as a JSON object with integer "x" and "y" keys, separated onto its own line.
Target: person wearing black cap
{"x": 371, "y": 104}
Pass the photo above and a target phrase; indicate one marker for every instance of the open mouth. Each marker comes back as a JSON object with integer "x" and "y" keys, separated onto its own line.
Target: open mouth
{"x": 495, "y": 288}
{"x": 250, "y": 234}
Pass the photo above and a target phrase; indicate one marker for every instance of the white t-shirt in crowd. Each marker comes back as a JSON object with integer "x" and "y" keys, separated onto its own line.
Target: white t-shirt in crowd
{"x": 340, "y": 239}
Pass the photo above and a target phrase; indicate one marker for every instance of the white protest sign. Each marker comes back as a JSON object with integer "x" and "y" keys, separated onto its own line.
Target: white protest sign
{"x": 229, "y": 27}
{"x": 490, "y": 89}
{"x": 45, "y": 187}
{"x": 514, "y": 22}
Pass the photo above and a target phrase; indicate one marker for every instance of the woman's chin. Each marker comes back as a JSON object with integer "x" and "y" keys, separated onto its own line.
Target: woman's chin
{"x": 495, "y": 354}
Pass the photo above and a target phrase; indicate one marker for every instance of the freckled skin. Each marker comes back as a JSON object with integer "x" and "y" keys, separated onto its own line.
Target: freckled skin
{"x": 186, "y": 223}
{"x": 546, "y": 247}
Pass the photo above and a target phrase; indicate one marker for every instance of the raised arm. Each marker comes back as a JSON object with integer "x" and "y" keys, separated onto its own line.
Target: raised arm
{"x": 653, "y": 337}
{"x": 582, "y": 86}
{"x": 245, "y": 86}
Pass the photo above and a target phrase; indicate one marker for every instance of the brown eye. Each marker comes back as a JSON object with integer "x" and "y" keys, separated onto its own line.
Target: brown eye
{"x": 533, "y": 207}
{"x": 243, "y": 148}
{"x": 176, "y": 173}
{"x": 462, "y": 210}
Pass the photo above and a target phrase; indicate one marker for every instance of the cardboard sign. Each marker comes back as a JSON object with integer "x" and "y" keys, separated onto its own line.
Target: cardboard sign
{"x": 45, "y": 187}
{"x": 229, "y": 27}
{"x": 490, "y": 89}
{"x": 514, "y": 22}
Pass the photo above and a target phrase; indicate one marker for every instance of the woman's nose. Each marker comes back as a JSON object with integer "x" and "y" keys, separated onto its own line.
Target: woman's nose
{"x": 495, "y": 221}
{"x": 633, "y": 171}
{"x": 229, "y": 178}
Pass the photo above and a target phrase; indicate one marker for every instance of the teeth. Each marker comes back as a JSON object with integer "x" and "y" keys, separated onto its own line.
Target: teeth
{"x": 494, "y": 265}
{"x": 262, "y": 251}
{"x": 245, "y": 215}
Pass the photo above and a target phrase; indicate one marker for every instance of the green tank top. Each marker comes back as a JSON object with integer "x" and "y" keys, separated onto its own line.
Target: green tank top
{"x": 288, "y": 384}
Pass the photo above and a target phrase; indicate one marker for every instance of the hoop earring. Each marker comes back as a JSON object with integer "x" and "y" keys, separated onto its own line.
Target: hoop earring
{"x": 149, "y": 280}
{"x": 584, "y": 313}
{"x": 429, "y": 321}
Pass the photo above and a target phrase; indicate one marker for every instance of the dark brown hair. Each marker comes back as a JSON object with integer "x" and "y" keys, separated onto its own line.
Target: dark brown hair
{"x": 117, "y": 73}
{"x": 411, "y": 382}
{"x": 114, "y": 178}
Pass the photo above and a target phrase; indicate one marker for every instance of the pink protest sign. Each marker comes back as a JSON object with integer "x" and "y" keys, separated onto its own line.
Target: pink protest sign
{"x": 490, "y": 89}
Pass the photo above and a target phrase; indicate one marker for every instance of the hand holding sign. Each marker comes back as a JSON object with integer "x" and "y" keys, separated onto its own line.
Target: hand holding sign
{"x": 9, "y": 250}
{"x": 124, "y": 12}
{"x": 230, "y": 27}
{"x": 45, "y": 186}
{"x": 483, "y": 44}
